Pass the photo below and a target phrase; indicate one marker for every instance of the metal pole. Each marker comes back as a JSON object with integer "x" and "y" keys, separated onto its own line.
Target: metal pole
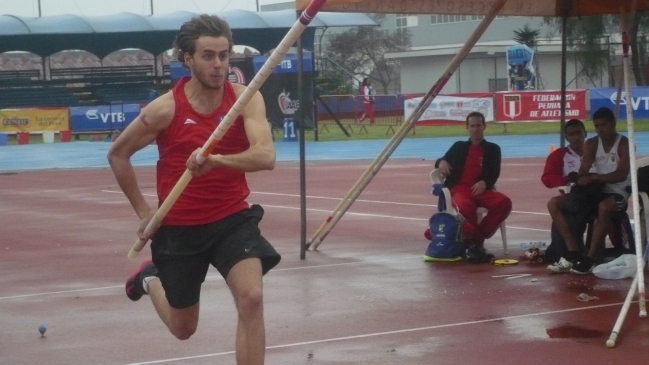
{"x": 151, "y": 2}
{"x": 495, "y": 73}
{"x": 567, "y": 5}
{"x": 301, "y": 117}
{"x": 39, "y": 8}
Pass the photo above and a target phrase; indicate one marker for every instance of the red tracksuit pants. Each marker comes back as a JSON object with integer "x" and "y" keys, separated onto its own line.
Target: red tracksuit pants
{"x": 498, "y": 205}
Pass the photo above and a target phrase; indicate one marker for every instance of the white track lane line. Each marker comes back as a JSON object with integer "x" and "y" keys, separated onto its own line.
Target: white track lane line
{"x": 376, "y": 334}
{"x": 212, "y": 277}
{"x": 338, "y": 199}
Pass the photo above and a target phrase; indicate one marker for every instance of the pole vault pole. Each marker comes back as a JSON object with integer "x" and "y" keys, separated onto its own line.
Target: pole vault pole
{"x": 403, "y": 130}
{"x": 289, "y": 39}
{"x": 638, "y": 280}
{"x": 626, "y": 26}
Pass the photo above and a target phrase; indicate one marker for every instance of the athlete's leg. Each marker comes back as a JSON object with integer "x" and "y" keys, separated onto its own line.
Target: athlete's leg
{"x": 245, "y": 283}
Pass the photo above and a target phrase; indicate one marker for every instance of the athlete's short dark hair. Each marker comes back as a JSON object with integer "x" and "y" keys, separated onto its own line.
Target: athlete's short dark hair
{"x": 475, "y": 114}
{"x": 202, "y": 25}
{"x": 572, "y": 123}
{"x": 604, "y": 113}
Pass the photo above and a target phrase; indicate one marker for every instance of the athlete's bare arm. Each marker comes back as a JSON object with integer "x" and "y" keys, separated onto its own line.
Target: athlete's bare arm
{"x": 260, "y": 155}
{"x": 588, "y": 158}
{"x": 142, "y": 131}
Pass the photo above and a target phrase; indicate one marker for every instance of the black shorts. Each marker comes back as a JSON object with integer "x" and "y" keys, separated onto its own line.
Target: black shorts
{"x": 620, "y": 201}
{"x": 183, "y": 254}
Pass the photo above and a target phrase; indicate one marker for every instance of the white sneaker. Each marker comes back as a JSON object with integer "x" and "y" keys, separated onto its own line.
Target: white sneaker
{"x": 561, "y": 266}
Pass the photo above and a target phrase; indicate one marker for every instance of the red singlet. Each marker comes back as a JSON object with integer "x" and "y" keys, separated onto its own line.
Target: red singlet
{"x": 217, "y": 194}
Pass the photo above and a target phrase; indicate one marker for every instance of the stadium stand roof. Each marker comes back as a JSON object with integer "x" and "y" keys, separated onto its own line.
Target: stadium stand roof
{"x": 103, "y": 35}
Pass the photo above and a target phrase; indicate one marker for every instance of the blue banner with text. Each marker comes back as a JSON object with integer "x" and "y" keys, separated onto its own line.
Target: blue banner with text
{"x": 102, "y": 117}
{"x": 606, "y": 97}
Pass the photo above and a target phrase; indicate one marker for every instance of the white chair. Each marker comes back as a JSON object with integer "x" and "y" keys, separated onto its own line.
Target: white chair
{"x": 643, "y": 225}
{"x": 437, "y": 178}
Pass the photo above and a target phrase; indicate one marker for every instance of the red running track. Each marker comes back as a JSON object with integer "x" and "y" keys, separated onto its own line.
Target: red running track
{"x": 366, "y": 297}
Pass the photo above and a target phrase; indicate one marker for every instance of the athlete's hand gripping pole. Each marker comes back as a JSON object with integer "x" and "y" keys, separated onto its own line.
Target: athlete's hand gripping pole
{"x": 275, "y": 58}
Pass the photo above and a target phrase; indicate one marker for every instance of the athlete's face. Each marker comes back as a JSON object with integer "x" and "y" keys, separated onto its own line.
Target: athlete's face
{"x": 476, "y": 128}
{"x": 605, "y": 129}
{"x": 209, "y": 63}
{"x": 575, "y": 136}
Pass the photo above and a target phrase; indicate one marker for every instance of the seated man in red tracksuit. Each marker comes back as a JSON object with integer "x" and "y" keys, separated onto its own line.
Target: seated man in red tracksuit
{"x": 471, "y": 169}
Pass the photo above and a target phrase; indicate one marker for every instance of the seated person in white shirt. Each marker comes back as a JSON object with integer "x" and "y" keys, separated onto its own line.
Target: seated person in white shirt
{"x": 608, "y": 154}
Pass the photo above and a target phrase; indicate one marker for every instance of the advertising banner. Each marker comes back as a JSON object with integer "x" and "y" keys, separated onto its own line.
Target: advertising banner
{"x": 34, "y": 120}
{"x": 606, "y": 97}
{"x": 531, "y": 106}
{"x": 280, "y": 90}
{"x": 102, "y": 117}
{"x": 447, "y": 109}
{"x": 520, "y": 68}
{"x": 242, "y": 70}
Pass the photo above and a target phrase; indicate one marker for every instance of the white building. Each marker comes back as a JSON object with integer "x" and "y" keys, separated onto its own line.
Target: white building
{"x": 436, "y": 39}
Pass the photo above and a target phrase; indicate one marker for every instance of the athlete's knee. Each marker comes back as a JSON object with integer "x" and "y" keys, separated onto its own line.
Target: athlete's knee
{"x": 606, "y": 208}
{"x": 183, "y": 331}
{"x": 506, "y": 203}
{"x": 250, "y": 300}
{"x": 555, "y": 205}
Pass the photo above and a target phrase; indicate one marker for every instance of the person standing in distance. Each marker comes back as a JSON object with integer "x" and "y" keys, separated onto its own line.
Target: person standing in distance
{"x": 366, "y": 93}
{"x": 211, "y": 222}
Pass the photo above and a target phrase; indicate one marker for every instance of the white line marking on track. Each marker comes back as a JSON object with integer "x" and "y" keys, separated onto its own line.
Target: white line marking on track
{"x": 338, "y": 199}
{"x": 60, "y": 292}
{"x": 213, "y": 277}
{"x": 374, "y": 215}
{"x": 395, "y": 332}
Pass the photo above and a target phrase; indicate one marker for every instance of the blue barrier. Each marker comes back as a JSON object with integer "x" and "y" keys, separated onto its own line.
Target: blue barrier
{"x": 289, "y": 130}
{"x": 102, "y": 117}
{"x": 606, "y": 97}
{"x": 288, "y": 64}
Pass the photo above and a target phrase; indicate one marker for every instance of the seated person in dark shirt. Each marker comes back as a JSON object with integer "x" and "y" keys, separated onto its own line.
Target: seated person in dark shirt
{"x": 470, "y": 169}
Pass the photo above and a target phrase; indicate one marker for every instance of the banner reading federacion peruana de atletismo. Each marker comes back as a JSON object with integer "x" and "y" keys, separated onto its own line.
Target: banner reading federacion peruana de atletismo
{"x": 538, "y": 105}
{"x": 34, "y": 120}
